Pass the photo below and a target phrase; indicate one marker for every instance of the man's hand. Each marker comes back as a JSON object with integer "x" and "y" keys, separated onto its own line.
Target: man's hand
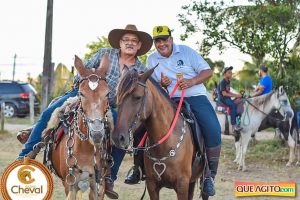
{"x": 238, "y": 96}
{"x": 186, "y": 83}
{"x": 165, "y": 81}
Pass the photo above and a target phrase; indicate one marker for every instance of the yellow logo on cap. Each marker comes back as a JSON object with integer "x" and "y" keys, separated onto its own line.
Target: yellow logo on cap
{"x": 161, "y": 31}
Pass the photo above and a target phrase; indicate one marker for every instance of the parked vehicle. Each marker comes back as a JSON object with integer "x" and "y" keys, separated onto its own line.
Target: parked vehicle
{"x": 16, "y": 98}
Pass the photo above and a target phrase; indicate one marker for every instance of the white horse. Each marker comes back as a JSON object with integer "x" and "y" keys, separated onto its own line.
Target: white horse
{"x": 255, "y": 110}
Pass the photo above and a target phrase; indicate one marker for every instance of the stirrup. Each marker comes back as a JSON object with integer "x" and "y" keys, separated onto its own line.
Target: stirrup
{"x": 210, "y": 187}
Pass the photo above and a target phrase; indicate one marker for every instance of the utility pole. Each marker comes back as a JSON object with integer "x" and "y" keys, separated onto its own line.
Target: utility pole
{"x": 47, "y": 56}
{"x": 14, "y": 67}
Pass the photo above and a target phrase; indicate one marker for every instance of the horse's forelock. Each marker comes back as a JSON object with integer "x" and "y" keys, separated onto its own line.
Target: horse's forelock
{"x": 127, "y": 84}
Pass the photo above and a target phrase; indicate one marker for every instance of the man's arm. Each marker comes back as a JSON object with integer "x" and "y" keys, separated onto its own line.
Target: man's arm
{"x": 230, "y": 94}
{"x": 200, "y": 78}
{"x": 258, "y": 91}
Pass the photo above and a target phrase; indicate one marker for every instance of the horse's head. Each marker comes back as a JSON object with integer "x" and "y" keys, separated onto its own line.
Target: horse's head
{"x": 281, "y": 102}
{"x": 93, "y": 96}
{"x": 134, "y": 106}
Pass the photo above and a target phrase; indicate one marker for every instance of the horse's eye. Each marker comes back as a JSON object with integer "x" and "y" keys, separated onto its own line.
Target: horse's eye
{"x": 137, "y": 98}
{"x": 107, "y": 95}
{"x": 81, "y": 94}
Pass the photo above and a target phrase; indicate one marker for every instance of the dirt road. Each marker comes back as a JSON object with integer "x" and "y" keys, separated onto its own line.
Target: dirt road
{"x": 261, "y": 169}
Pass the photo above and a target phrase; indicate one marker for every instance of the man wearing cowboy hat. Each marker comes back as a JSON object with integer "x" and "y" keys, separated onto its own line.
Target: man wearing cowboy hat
{"x": 126, "y": 44}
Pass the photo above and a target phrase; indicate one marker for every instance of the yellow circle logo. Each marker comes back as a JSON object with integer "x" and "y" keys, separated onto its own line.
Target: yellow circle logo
{"x": 24, "y": 174}
{"x": 26, "y": 179}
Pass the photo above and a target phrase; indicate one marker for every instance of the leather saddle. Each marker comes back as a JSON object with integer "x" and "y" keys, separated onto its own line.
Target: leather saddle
{"x": 66, "y": 115}
{"x": 189, "y": 116}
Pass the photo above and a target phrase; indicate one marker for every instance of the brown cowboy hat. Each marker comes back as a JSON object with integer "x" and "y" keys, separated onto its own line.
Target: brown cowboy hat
{"x": 115, "y": 35}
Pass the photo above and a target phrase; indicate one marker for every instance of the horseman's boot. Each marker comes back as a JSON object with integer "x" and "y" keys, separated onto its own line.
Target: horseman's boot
{"x": 109, "y": 189}
{"x": 24, "y": 134}
{"x": 213, "y": 155}
{"x": 137, "y": 169}
{"x": 109, "y": 183}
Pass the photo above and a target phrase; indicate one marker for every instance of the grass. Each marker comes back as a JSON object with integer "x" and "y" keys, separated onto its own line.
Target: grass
{"x": 265, "y": 161}
{"x": 20, "y": 120}
{"x": 4, "y": 132}
{"x": 268, "y": 151}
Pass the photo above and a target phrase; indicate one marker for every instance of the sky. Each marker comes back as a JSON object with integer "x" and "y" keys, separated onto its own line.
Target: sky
{"x": 79, "y": 22}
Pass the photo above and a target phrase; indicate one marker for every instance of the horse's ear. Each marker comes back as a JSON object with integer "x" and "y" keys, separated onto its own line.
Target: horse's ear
{"x": 281, "y": 90}
{"x": 79, "y": 65}
{"x": 104, "y": 64}
{"x": 124, "y": 70}
{"x": 144, "y": 77}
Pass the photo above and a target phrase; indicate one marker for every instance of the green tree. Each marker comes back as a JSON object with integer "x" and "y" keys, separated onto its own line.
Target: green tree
{"x": 63, "y": 80}
{"x": 217, "y": 68}
{"x": 93, "y": 47}
{"x": 261, "y": 28}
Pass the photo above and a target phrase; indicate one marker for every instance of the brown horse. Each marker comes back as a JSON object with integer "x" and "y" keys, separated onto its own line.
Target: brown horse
{"x": 168, "y": 164}
{"x": 79, "y": 157}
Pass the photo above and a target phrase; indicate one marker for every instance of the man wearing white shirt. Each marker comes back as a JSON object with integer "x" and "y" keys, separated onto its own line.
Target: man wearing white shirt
{"x": 183, "y": 64}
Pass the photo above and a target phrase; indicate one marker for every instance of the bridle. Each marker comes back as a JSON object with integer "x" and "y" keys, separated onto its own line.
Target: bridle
{"x": 93, "y": 85}
{"x": 71, "y": 160}
{"x": 268, "y": 115}
{"x": 137, "y": 117}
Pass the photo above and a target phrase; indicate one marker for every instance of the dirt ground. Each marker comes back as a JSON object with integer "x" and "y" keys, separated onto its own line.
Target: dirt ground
{"x": 259, "y": 170}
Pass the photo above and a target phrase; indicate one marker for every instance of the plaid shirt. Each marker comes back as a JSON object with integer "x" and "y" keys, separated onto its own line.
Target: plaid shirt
{"x": 114, "y": 73}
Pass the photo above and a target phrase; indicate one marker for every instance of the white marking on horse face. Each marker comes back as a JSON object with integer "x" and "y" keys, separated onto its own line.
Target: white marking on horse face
{"x": 93, "y": 85}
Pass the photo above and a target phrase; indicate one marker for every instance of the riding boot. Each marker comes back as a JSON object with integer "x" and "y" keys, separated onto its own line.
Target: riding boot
{"x": 213, "y": 155}
{"x": 109, "y": 184}
{"x": 109, "y": 188}
{"x": 137, "y": 170}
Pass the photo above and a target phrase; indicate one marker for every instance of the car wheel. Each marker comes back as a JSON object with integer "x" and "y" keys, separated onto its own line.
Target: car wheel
{"x": 9, "y": 110}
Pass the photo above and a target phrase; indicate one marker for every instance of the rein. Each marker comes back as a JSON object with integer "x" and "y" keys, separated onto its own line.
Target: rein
{"x": 267, "y": 115}
{"x": 165, "y": 137}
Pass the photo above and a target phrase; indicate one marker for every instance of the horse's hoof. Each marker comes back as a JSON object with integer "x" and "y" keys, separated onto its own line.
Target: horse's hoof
{"x": 239, "y": 168}
{"x": 289, "y": 164}
{"x": 298, "y": 163}
{"x": 234, "y": 161}
{"x": 244, "y": 169}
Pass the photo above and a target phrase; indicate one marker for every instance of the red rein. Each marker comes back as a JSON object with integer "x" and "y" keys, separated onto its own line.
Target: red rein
{"x": 173, "y": 122}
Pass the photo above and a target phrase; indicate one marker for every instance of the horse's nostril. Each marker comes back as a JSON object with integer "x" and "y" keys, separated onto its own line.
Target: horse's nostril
{"x": 122, "y": 138}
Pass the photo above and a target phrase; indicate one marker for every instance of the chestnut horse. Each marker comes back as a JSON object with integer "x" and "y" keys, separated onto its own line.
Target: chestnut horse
{"x": 167, "y": 164}
{"x": 79, "y": 159}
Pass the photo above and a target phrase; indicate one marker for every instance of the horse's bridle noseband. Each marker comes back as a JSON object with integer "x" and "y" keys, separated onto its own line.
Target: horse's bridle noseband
{"x": 80, "y": 110}
{"x": 137, "y": 117}
{"x": 268, "y": 115}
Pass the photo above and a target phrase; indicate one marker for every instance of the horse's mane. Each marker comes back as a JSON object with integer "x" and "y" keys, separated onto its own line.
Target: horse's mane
{"x": 129, "y": 82}
{"x": 261, "y": 100}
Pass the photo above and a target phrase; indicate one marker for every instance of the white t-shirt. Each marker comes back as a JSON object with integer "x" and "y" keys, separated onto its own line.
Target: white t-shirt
{"x": 183, "y": 60}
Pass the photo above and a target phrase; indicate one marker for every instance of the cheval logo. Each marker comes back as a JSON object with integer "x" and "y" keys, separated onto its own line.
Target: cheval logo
{"x": 26, "y": 179}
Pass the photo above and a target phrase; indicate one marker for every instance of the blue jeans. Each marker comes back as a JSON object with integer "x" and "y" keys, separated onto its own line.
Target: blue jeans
{"x": 40, "y": 126}
{"x": 116, "y": 153}
{"x": 35, "y": 136}
{"x": 230, "y": 103}
{"x": 207, "y": 120}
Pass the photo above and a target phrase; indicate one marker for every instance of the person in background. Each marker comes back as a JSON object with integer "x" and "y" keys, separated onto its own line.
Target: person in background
{"x": 225, "y": 95}
{"x": 265, "y": 84}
